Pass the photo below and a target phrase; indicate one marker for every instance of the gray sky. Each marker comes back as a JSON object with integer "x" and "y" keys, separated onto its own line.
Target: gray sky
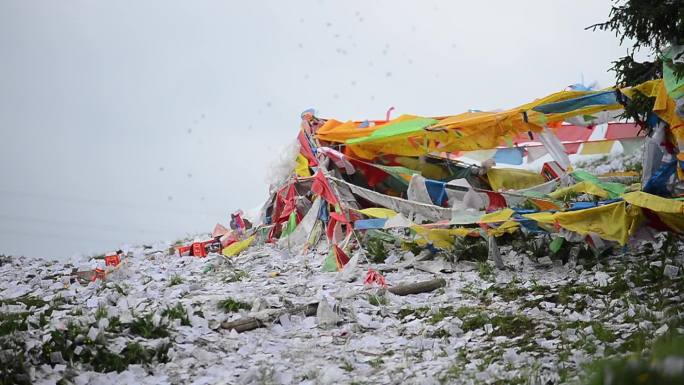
{"x": 136, "y": 121}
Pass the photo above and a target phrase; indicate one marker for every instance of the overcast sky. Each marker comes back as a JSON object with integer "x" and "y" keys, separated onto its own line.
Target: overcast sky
{"x": 136, "y": 121}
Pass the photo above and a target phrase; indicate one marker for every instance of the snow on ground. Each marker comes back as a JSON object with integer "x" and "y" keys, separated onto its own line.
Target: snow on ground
{"x": 603, "y": 164}
{"x": 537, "y": 321}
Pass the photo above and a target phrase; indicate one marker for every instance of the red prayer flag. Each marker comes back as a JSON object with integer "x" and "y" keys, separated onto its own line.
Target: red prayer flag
{"x": 496, "y": 201}
{"x": 571, "y": 133}
{"x": 321, "y": 188}
{"x": 339, "y": 217}
{"x": 219, "y": 230}
{"x": 622, "y": 130}
{"x": 340, "y": 258}
{"x": 290, "y": 203}
{"x": 571, "y": 148}
{"x": 374, "y": 277}
{"x": 305, "y": 149}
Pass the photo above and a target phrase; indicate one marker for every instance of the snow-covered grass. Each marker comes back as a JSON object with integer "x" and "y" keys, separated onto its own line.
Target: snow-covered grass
{"x": 532, "y": 323}
{"x": 615, "y": 162}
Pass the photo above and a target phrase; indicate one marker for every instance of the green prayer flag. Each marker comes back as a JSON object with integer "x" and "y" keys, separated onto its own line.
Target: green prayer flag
{"x": 673, "y": 84}
{"x": 395, "y": 129}
{"x": 330, "y": 264}
{"x": 377, "y": 234}
{"x": 291, "y": 224}
{"x": 556, "y": 244}
{"x": 614, "y": 189}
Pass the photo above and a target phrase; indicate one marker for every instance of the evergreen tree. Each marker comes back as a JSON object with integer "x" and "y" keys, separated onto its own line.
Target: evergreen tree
{"x": 653, "y": 25}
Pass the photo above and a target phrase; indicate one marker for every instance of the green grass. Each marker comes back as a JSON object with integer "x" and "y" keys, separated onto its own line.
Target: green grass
{"x": 644, "y": 369}
{"x": 13, "y": 322}
{"x": 534, "y": 246}
{"x": 618, "y": 286}
{"x": 602, "y": 333}
{"x": 440, "y": 333}
{"x": 420, "y": 312}
{"x": 455, "y": 370}
{"x": 18, "y": 321}
{"x": 13, "y": 367}
{"x": 27, "y": 300}
{"x": 230, "y": 305}
{"x": 237, "y": 276}
{"x": 134, "y": 353}
{"x": 375, "y": 247}
{"x": 177, "y": 312}
{"x": 474, "y": 322}
{"x": 439, "y": 316}
{"x": 636, "y": 342}
{"x": 93, "y": 353}
{"x": 175, "y": 280}
{"x": 62, "y": 341}
{"x": 512, "y": 325}
{"x": 473, "y": 318}
{"x": 452, "y": 373}
{"x": 101, "y": 312}
{"x": 77, "y": 311}
{"x": 378, "y": 300}
{"x": 144, "y": 327}
{"x": 119, "y": 289}
{"x": 98, "y": 356}
{"x": 376, "y": 363}
{"x": 634, "y": 166}
{"x": 115, "y": 325}
{"x": 449, "y": 311}
{"x": 566, "y": 293}
{"x": 510, "y": 292}
{"x": 347, "y": 366}
{"x": 413, "y": 247}
{"x": 485, "y": 270}
{"x": 163, "y": 353}
{"x": 105, "y": 361}
{"x": 471, "y": 249}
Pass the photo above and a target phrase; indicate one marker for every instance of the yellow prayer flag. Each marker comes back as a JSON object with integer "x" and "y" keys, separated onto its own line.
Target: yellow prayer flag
{"x": 513, "y": 179}
{"x": 378, "y": 212}
{"x": 614, "y": 222}
{"x": 654, "y": 202}
{"x": 237, "y": 247}
{"x": 508, "y": 227}
{"x": 578, "y": 188}
{"x": 601, "y": 147}
{"x": 302, "y": 167}
{"x": 442, "y": 238}
{"x": 497, "y": 216}
{"x": 542, "y": 217}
